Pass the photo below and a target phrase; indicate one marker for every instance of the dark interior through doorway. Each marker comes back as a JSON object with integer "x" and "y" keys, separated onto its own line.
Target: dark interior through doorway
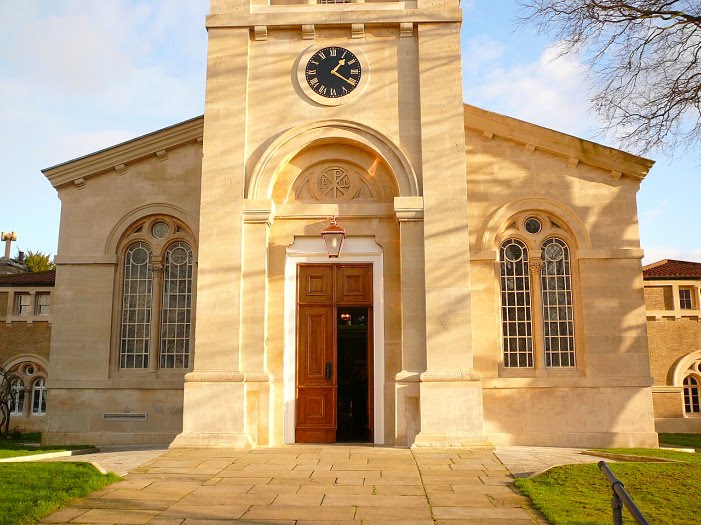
{"x": 353, "y": 416}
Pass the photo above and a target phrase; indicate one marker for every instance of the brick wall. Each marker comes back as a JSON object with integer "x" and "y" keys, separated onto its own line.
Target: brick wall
{"x": 669, "y": 339}
{"x": 655, "y": 298}
{"x": 3, "y": 305}
{"x": 668, "y": 404}
{"x": 24, "y": 338}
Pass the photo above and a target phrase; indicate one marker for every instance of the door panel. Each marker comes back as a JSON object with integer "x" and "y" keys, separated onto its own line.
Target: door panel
{"x": 315, "y": 284}
{"x": 316, "y": 391}
{"x": 353, "y": 285}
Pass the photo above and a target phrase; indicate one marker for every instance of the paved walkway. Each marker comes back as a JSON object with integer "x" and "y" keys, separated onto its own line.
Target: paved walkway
{"x": 310, "y": 485}
{"x": 523, "y": 462}
{"x": 118, "y": 459}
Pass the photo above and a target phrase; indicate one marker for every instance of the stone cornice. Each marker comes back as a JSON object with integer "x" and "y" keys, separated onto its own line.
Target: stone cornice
{"x": 574, "y": 149}
{"x": 117, "y": 157}
{"x": 321, "y": 15}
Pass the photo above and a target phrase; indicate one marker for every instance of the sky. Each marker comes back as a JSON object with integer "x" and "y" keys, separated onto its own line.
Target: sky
{"x": 77, "y": 76}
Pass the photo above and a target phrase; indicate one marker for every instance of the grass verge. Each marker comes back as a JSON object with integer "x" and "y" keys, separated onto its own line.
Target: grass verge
{"x": 666, "y": 493}
{"x": 30, "y": 491}
{"x": 29, "y": 444}
{"x": 681, "y": 440}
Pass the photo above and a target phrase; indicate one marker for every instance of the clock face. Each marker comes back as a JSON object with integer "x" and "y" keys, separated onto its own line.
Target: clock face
{"x": 333, "y": 72}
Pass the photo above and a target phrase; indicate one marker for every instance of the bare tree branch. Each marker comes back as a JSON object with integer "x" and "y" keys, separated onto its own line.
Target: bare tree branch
{"x": 644, "y": 58}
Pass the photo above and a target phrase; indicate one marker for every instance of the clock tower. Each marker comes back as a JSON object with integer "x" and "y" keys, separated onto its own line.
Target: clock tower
{"x": 317, "y": 109}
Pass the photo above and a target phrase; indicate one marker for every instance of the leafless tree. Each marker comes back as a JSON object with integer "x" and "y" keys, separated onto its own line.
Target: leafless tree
{"x": 644, "y": 58}
{"x": 6, "y": 400}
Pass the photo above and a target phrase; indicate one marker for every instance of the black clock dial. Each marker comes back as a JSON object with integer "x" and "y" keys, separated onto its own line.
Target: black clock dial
{"x": 333, "y": 72}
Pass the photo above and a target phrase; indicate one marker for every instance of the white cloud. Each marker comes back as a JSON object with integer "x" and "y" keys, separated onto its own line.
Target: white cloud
{"x": 479, "y": 52}
{"x": 657, "y": 253}
{"x": 551, "y": 92}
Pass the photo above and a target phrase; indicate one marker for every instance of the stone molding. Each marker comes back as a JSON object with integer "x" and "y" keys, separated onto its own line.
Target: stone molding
{"x": 494, "y": 224}
{"x": 505, "y": 383}
{"x": 215, "y": 377}
{"x": 681, "y": 367}
{"x": 383, "y": 14}
{"x": 409, "y": 208}
{"x": 116, "y": 158}
{"x": 228, "y": 377}
{"x": 611, "y": 253}
{"x": 297, "y": 139}
{"x": 573, "y": 149}
{"x": 450, "y": 376}
{"x": 659, "y": 389}
{"x": 156, "y": 208}
{"x": 21, "y": 358}
{"x": 211, "y": 440}
{"x": 408, "y": 376}
{"x": 592, "y": 253}
{"x": 67, "y": 260}
{"x": 258, "y": 211}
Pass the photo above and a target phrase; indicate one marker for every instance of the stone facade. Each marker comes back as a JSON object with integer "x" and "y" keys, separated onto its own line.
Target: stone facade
{"x": 427, "y": 189}
{"x": 674, "y": 333}
{"x": 25, "y": 335}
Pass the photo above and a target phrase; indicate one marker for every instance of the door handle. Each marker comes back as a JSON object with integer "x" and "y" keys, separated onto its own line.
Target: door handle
{"x": 328, "y": 371}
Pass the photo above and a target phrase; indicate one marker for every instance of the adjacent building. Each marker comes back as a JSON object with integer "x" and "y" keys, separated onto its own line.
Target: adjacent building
{"x": 25, "y": 338}
{"x": 674, "y": 331}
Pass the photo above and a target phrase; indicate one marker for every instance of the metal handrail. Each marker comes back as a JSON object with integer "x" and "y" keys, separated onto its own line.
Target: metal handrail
{"x": 620, "y": 498}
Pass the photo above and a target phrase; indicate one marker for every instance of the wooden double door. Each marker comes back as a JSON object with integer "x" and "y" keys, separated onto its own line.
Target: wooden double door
{"x": 334, "y": 390}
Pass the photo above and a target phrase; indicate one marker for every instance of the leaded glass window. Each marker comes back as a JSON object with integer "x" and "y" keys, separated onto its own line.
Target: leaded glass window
{"x": 17, "y": 396}
{"x": 558, "y": 314}
{"x": 39, "y": 397}
{"x": 177, "y": 306}
{"x": 692, "y": 395}
{"x": 136, "y": 307}
{"x": 517, "y": 329}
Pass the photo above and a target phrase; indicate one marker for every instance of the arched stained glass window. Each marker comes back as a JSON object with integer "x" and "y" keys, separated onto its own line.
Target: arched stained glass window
{"x": 177, "y": 306}
{"x": 39, "y": 397}
{"x": 517, "y": 332}
{"x": 17, "y": 396}
{"x": 136, "y": 307}
{"x": 558, "y": 314}
{"x": 692, "y": 395}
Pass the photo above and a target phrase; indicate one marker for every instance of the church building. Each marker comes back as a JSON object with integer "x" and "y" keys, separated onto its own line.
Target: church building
{"x": 488, "y": 287}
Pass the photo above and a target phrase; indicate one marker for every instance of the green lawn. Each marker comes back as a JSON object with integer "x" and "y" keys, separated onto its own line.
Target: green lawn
{"x": 681, "y": 440}
{"x": 30, "y": 491}
{"x": 28, "y": 444}
{"x": 666, "y": 493}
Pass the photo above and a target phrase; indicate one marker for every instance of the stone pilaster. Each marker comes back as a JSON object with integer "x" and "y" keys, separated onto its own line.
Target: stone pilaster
{"x": 257, "y": 219}
{"x": 214, "y": 403}
{"x": 409, "y": 211}
{"x": 451, "y": 393}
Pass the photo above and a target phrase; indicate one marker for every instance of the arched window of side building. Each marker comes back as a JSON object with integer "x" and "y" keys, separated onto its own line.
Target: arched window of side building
{"x": 17, "y": 387}
{"x": 537, "y": 299}
{"x": 157, "y": 277}
{"x": 39, "y": 397}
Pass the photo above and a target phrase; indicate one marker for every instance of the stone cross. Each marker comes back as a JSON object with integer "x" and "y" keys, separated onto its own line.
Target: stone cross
{"x": 8, "y": 237}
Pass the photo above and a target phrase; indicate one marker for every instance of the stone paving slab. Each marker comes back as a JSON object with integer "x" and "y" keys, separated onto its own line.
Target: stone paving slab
{"x": 310, "y": 485}
{"x": 525, "y": 461}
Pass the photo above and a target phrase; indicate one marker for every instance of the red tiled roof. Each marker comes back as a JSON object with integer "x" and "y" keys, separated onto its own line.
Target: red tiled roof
{"x": 47, "y": 278}
{"x": 672, "y": 269}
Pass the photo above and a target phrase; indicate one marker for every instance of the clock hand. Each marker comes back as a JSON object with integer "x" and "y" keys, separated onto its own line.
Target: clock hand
{"x": 334, "y": 72}
{"x": 340, "y": 63}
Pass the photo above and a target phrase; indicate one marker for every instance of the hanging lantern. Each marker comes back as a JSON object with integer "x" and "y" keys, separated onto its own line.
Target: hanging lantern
{"x": 333, "y": 236}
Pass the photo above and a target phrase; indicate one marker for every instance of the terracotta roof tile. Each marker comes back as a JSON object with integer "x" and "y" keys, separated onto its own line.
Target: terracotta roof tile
{"x": 672, "y": 269}
{"x": 29, "y": 279}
